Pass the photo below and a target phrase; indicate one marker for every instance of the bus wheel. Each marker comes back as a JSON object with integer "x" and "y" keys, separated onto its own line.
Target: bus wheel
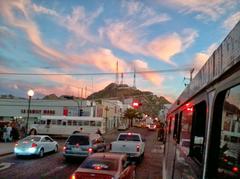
{"x": 33, "y": 132}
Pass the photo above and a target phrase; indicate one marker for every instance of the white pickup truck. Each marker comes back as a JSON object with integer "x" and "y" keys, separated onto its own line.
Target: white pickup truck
{"x": 131, "y": 144}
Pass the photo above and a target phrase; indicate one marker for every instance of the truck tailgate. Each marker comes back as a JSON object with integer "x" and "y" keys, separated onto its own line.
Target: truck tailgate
{"x": 124, "y": 147}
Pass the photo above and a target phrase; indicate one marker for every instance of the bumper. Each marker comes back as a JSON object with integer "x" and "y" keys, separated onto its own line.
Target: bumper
{"x": 68, "y": 154}
{"x": 27, "y": 151}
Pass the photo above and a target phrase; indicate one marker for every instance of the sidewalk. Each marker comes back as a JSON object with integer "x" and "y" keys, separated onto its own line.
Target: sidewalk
{"x": 6, "y": 148}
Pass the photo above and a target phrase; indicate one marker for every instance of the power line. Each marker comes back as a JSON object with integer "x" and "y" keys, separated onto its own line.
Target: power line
{"x": 94, "y": 74}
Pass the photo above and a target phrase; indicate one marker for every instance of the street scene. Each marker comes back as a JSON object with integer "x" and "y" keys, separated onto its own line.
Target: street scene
{"x": 120, "y": 89}
{"x": 53, "y": 165}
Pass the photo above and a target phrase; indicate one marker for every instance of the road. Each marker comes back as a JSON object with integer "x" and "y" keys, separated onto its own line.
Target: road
{"x": 54, "y": 166}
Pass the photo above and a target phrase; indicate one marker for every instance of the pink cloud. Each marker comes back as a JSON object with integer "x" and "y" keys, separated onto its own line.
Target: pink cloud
{"x": 7, "y": 10}
{"x": 102, "y": 58}
{"x": 128, "y": 38}
{"x": 154, "y": 78}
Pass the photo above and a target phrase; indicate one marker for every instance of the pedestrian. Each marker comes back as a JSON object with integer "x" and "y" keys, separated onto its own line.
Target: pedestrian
{"x": 22, "y": 131}
{"x": 5, "y": 133}
{"x": 9, "y": 132}
{"x": 160, "y": 135}
{"x": 99, "y": 132}
{"x": 81, "y": 130}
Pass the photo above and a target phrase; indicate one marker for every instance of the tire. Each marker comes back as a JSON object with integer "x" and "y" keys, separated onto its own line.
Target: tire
{"x": 56, "y": 149}
{"x": 41, "y": 153}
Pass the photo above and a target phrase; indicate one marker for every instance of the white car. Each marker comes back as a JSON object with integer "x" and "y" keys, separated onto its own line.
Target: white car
{"x": 131, "y": 144}
{"x": 35, "y": 145}
{"x": 122, "y": 127}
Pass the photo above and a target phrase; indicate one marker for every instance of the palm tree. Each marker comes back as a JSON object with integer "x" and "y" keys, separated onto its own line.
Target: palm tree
{"x": 132, "y": 114}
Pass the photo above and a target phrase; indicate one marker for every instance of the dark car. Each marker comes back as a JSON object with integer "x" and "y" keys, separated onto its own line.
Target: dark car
{"x": 83, "y": 145}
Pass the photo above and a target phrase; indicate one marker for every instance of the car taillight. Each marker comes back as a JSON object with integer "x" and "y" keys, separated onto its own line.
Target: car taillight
{"x": 138, "y": 148}
{"x": 235, "y": 169}
{"x": 90, "y": 150}
{"x": 16, "y": 144}
{"x": 34, "y": 145}
{"x": 73, "y": 176}
{"x": 64, "y": 148}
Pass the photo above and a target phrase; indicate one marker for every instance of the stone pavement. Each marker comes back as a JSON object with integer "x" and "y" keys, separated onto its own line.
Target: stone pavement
{"x": 6, "y": 148}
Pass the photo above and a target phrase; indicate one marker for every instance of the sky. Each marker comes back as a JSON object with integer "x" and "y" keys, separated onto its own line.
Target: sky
{"x": 87, "y": 37}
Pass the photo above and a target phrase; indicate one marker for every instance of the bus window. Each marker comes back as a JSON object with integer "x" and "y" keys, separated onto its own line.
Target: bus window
{"x": 198, "y": 131}
{"x": 229, "y": 149}
{"x": 86, "y": 123}
{"x": 175, "y": 126}
{"x": 69, "y": 122}
{"x": 98, "y": 123}
{"x": 59, "y": 122}
{"x": 42, "y": 122}
{"x": 80, "y": 123}
{"x": 74, "y": 123}
{"x": 186, "y": 128}
{"x": 92, "y": 123}
{"x": 54, "y": 122}
{"x": 64, "y": 123}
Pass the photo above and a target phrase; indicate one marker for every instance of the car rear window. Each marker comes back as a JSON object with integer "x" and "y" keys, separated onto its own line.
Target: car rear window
{"x": 127, "y": 137}
{"x": 81, "y": 140}
{"x": 30, "y": 138}
{"x": 100, "y": 164}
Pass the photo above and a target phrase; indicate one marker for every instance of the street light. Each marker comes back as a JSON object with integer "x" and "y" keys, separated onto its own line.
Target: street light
{"x": 106, "y": 109}
{"x": 30, "y": 94}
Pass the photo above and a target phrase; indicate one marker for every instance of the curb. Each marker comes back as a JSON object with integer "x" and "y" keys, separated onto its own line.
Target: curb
{"x": 7, "y": 153}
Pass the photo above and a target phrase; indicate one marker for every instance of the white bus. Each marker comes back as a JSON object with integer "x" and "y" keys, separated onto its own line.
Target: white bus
{"x": 66, "y": 125}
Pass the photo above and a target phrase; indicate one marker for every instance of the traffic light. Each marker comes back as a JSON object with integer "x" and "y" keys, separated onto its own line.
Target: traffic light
{"x": 136, "y": 104}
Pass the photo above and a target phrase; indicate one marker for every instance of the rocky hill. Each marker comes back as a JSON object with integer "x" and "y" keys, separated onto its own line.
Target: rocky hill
{"x": 151, "y": 104}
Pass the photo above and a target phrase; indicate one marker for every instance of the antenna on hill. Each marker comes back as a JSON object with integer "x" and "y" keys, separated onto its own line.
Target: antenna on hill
{"x": 134, "y": 78}
{"x": 121, "y": 78}
{"x": 117, "y": 73}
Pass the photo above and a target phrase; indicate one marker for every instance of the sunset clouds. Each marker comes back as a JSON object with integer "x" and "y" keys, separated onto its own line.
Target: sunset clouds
{"x": 92, "y": 37}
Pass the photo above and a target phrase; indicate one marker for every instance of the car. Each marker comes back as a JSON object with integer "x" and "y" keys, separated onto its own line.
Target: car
{"x": 131, "y": 144}
{"x": 35, "y": 145}
{"x": 122, "y": 127}
{"x": 105, "y": 166}
{"x": 83, "y": 145}
{"x": 152, "y": 127}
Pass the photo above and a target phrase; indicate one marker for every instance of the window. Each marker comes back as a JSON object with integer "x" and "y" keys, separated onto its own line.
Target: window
{"x": 81, "y": 140}
{"x": 186, "y": 128}
{"x": 198, "y": 131}
{"x": 229, "y": 148}
{"x": 42, "y": 122}
{"x": 80, "y": 123}
{"x": 69, "y": 122}
{"x": 74, "y": 123}
{"x": 54, "y": 122}
{"x": 175, "y": 126}
{"x": 92, "y": 123}
{"x": 98, "y": 123}
{"x": 86, "y": 123}
{"x": 59, "y": 122}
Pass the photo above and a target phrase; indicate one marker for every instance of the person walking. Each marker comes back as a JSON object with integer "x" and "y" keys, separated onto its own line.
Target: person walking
{"x": 9, "y": 133}
{"x": 99, "y": 132}
{"x": 5, "y": 133}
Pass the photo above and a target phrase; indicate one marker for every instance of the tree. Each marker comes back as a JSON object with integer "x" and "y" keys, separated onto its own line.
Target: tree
{"x": 132, "y": 114}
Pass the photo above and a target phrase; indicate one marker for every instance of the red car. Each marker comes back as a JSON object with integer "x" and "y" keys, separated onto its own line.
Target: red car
{"x": 105, "y": 166}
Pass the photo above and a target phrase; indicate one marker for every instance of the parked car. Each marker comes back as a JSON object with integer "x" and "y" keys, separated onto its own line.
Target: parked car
{"x": 35, "y": 145}
{"x": 105, "y": 166}
{"x": 122, "y": 127}
{"x": 131, "y": 144}
{"x": 152, "y": 127}
{"x": 83, "y": 145}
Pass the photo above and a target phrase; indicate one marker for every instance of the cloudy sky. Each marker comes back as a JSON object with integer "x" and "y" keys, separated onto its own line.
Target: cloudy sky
{"x": 85, "y": 37}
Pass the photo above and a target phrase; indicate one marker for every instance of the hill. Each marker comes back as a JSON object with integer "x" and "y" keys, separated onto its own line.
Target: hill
{"x": 151, "y": 104}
